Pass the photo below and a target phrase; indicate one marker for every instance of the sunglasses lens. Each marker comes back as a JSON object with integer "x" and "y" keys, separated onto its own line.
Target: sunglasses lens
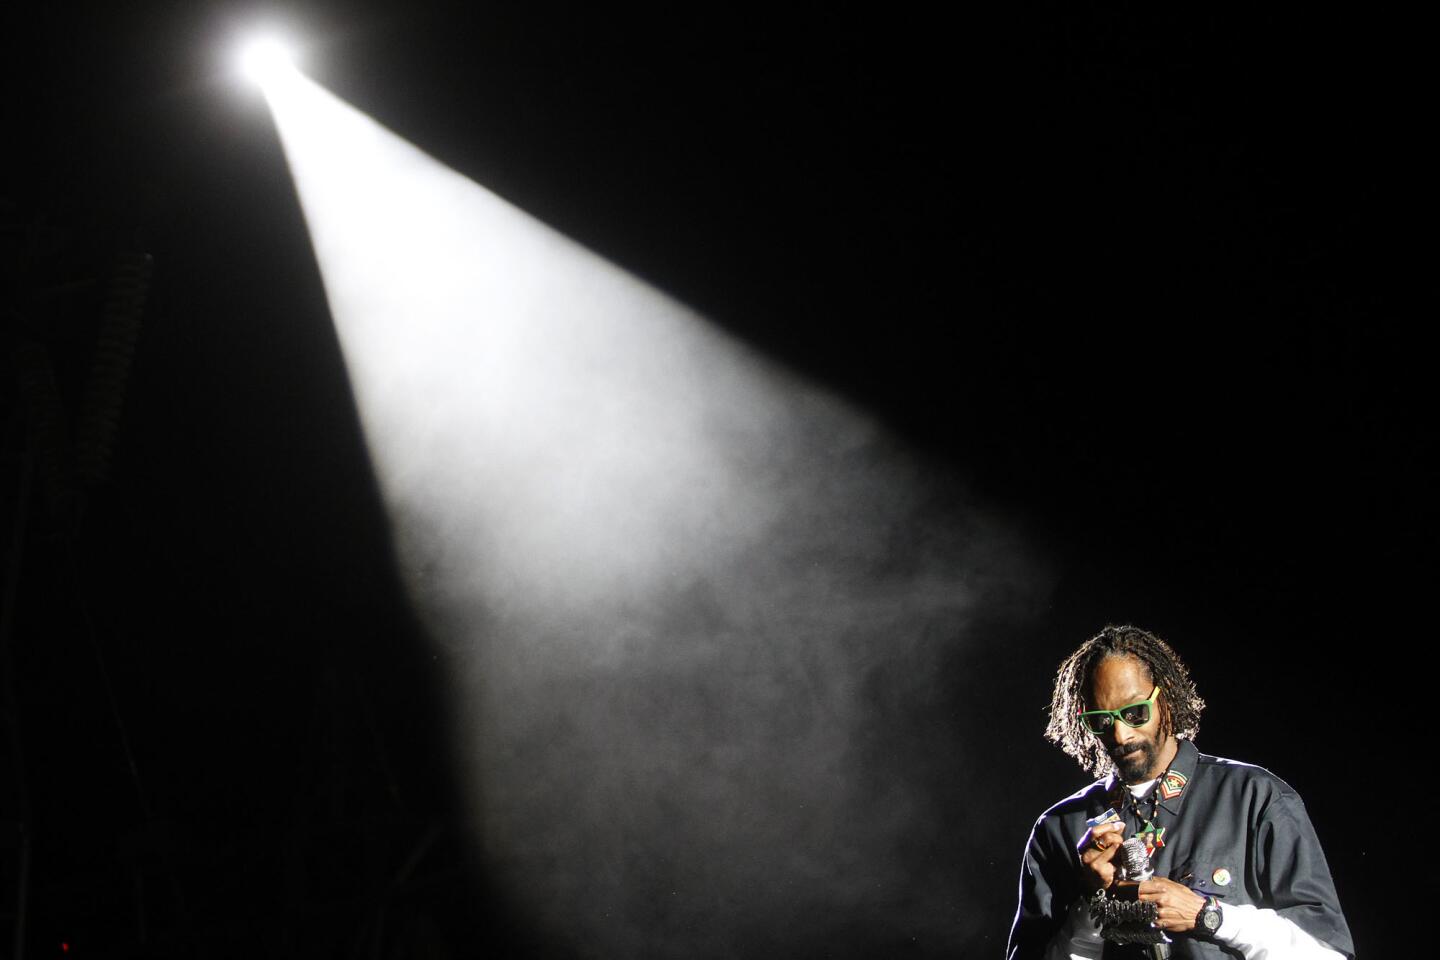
{"x": 1136, "y": 716}
{"x": 1099, "y": 722}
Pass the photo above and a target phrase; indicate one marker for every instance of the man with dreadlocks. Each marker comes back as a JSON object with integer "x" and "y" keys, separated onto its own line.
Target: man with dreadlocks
{"x": 1238, "y": 870}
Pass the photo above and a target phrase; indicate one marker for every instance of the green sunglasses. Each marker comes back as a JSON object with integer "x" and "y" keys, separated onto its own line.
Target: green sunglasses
{"x": 1135, "y": 714}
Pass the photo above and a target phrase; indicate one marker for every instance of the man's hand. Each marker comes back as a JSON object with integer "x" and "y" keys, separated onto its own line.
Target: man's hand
{"x": 1179, "y": 905}
{"x": 1097, "y": 850}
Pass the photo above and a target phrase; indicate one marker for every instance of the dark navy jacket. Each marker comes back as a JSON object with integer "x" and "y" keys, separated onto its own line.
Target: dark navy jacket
{"x": 1234, "y": 831}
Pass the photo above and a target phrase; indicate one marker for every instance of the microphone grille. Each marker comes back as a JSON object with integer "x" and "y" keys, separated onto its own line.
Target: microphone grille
{"x": 1137, "y": 861}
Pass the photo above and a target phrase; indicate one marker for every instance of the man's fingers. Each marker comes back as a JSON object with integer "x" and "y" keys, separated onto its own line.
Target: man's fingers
{"x": 1105, "y": 836}
{"x": 1155, "y": 887}
{"x": 1097, "y": 848}
{"x": 1178, "y": 904}
{"x": 1107, "y": 839}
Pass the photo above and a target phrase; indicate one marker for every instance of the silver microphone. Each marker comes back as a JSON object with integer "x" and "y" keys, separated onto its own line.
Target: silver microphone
{"x": 1137, "y": 868}
{"x": 1137, "y": 861}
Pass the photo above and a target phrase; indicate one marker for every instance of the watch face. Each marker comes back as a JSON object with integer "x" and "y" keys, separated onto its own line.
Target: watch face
{"x": 1211, "y": 919}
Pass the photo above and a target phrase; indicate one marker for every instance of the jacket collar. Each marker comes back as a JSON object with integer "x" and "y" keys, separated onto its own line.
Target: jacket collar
{"x": 1174, "y": 782}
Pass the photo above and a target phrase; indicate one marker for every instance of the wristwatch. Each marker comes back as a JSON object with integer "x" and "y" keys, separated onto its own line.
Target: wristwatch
{"x": 1207, "y": 921}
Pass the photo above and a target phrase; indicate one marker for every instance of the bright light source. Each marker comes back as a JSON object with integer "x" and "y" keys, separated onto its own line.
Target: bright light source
{"x": 265, "y": 59}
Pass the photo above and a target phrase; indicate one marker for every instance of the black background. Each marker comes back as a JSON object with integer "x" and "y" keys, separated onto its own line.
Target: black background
{"x": 1137, "y": 273}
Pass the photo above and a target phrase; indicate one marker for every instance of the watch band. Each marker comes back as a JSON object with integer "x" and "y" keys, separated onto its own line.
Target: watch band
{"x": 1208, "y": 920}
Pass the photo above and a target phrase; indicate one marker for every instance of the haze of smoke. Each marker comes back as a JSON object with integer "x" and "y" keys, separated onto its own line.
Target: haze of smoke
{"x": 702, "y": 617}
{"x": 684, "y": 709}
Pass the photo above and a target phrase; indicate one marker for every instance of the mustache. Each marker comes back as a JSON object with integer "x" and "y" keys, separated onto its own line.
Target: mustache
{"x": 1119, "y": 753}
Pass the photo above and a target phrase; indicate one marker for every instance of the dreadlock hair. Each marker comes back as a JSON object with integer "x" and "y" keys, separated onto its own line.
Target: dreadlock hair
{"x": 1180, "y": 705}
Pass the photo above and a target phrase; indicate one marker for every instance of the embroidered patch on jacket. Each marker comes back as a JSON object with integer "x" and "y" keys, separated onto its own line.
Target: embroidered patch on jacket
{"x": 1221, "y": 876}
{"x": 1172, "y": 785}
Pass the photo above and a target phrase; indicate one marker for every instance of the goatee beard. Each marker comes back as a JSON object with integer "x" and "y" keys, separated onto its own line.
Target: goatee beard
{"x": 1135, "y": 767}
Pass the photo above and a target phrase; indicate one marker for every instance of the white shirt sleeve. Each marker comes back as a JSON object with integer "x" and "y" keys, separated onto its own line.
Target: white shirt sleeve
{"x": 1078, "y": 937}
{"x": 1262, "y": 934}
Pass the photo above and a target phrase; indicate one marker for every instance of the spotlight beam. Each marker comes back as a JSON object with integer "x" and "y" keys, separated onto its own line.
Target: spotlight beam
{"x": 685, "y": 600}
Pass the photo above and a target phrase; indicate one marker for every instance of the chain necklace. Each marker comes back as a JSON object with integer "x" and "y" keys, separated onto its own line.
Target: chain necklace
{"x": 1150, "y": 834}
